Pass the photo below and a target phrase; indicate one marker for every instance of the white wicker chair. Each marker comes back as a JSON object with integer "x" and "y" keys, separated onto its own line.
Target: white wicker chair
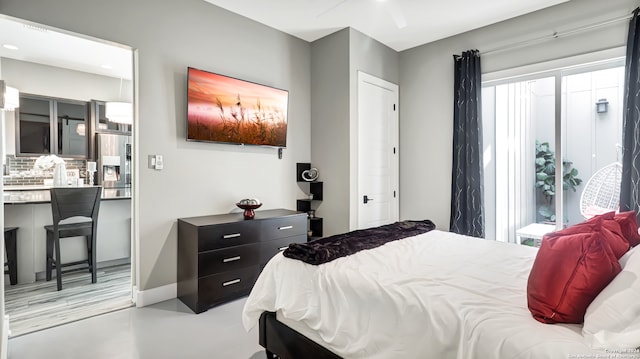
{"x": 601, "y": 193}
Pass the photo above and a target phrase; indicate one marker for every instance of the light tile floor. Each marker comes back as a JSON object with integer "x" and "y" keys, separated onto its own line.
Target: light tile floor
{"x": 40, "y": 305}
{"x": 164, "y": 330}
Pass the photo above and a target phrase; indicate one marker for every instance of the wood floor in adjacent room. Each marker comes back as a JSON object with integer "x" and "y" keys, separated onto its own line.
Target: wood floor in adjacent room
{"x": 167, "y": 330}
{"x": 39, "y": 305}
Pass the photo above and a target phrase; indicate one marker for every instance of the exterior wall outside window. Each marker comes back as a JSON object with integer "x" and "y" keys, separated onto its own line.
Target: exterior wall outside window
{"x": 521, "y": 111}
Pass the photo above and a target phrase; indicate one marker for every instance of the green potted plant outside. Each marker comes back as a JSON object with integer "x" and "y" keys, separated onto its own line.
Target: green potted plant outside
{"x": 546, "y": 178}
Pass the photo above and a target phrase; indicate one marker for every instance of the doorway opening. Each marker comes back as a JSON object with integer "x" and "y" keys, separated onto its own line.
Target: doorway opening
{"x": 55, "y": 70}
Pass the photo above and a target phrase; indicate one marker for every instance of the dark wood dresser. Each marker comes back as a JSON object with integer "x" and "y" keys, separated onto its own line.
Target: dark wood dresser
{"x": 220, "y": 256}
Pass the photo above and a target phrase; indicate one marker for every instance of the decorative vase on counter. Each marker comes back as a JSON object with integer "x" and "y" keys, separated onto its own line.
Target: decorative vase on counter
{"x": 60, "y": 175}
{"x": 249, "y": 204}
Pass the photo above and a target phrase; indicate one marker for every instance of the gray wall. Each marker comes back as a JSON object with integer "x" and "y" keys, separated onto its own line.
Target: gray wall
{"x": 33, "y": 78}
{"x": 426, "y": 83}
{"x": 330, "y": 126}
{"x": 198, "y": 178}
{"x": 335, "y": 62}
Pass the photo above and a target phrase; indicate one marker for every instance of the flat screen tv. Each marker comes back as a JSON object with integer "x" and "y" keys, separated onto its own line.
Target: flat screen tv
{"x": 228, "y": 110}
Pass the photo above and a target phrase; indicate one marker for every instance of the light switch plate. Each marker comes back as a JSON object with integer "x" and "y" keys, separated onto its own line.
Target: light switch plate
{"x": 155, "y": 162}
{"x": 159, "y": 162}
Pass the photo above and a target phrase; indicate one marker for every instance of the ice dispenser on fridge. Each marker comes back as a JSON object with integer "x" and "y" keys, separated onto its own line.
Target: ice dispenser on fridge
{"x": 114, "y": 160}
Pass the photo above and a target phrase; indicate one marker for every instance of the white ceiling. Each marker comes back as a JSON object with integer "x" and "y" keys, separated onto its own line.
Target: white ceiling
{"x": 45, "y": 45}
{"x": 399, "y": 24}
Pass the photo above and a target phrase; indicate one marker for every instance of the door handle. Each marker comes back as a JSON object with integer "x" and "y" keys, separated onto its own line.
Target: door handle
{"x": 366, "y": 199}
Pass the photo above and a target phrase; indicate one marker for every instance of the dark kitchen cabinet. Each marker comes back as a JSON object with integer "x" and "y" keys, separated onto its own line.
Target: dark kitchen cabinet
{"x": 47, "y": 125}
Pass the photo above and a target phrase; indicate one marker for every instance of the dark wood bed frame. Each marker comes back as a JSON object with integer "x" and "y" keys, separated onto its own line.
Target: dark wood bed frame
{"x": 280, "y": 341}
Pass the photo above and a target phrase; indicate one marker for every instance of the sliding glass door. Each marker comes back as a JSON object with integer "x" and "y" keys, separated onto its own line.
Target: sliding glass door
{"x": 592, "y": 138}
{"x": 543, "y": 140}
{"x": 518, "y": 118}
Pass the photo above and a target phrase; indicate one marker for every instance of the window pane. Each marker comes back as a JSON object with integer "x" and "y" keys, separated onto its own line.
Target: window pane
{"x": 517, "y": 115}
{"x": 591, "y": 141}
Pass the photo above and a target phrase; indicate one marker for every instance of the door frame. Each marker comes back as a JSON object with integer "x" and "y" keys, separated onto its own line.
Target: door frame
{"x": 362, "y": 78}
{"x": 134, "y": 209}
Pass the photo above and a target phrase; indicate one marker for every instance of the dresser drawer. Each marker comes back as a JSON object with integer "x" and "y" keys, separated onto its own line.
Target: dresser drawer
{"x": 228, "y": 259}
{"x": 268, "y": 249}
{"x": 228, "y": 235}
{"x": 284, "y": 227}
{"x": 220, "y": 256}
{"x": 221, "y": 287}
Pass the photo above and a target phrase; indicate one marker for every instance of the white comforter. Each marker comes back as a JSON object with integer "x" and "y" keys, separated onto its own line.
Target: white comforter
{"x": 436, "y": 295}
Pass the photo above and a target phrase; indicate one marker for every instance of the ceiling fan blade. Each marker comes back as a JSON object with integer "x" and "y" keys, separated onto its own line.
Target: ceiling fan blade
{"x": 396, "y": 15}
{"x": 340, "y": 2}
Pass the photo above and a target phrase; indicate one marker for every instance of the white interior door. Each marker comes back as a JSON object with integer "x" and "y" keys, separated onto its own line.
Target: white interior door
{"x": 377, "y": 151}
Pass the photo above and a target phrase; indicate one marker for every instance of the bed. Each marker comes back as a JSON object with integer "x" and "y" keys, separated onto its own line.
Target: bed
{"x": 431, "y": 295}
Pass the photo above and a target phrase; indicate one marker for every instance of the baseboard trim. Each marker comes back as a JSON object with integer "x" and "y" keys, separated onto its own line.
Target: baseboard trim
{"x": 156, "y": 295}
{"x": 5, "y": 337}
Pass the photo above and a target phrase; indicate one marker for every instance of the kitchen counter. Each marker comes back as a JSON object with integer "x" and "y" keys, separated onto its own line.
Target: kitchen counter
{"x": 29, "y": 209}
{"x": 41, "y": 194}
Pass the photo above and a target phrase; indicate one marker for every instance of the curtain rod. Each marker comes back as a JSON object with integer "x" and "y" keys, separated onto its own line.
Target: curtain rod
{"x": 556, "y": 35}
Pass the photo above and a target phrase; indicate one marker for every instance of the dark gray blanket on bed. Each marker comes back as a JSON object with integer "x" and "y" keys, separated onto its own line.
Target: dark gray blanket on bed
{"x": 326, "y": 249}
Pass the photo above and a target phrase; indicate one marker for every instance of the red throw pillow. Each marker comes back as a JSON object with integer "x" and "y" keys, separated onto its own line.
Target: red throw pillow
{"x": 568, "y": 273}
{"x": 629, "y": 225}
{"x": 610, "y": 229}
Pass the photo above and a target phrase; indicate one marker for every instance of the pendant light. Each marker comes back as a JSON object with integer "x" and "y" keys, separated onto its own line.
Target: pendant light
{"x": 9, "y": 97}
{"x": 119, "y": 112}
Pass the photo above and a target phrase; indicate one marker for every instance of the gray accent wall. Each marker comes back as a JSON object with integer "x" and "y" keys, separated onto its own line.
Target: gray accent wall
{"x": 330, "y": 127}
{"x": 198, "y": 178}
{"x": 335, "y": 62}
{"x": 426, "y": 88}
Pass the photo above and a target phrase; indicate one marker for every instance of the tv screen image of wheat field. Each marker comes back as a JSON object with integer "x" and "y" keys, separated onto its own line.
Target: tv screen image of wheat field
{"x": 226, "y": 109}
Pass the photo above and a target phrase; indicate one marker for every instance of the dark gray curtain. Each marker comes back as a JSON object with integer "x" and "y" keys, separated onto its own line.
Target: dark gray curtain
{"x": 629, "y": 190}
{"x": 467, "y": 203}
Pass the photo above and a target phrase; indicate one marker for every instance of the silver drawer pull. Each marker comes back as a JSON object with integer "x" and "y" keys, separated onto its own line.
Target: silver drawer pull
{"x": 283, "y": 248}
{"x": 233, "y": 235}
{"x": 231, "y": 259}
{"x": 285, "y": 227}
{"x": 231, "y": 282}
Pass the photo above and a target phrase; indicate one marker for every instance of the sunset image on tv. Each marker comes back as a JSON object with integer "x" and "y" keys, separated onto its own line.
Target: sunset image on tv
{"x": 224, "y": 109}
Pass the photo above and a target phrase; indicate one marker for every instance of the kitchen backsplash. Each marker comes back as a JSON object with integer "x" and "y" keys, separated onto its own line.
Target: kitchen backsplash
{"x": 19, "y": 171}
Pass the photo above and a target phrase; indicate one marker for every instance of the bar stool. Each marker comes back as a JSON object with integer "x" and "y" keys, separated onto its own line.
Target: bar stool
{"x": 67, "y": 202}
{"x": 11, "y": 248}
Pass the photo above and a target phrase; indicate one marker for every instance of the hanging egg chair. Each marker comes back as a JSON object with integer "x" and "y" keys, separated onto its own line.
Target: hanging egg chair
{"x": 601, "y": 194}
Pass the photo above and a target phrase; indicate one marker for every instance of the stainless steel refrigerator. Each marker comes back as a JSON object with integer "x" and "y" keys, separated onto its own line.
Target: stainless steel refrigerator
{"x": 113, "y": 160}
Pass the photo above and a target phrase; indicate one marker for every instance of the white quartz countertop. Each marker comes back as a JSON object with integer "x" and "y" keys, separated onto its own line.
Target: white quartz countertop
{"x": 41, "y": 194}
{"x": 26, "y": 188}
